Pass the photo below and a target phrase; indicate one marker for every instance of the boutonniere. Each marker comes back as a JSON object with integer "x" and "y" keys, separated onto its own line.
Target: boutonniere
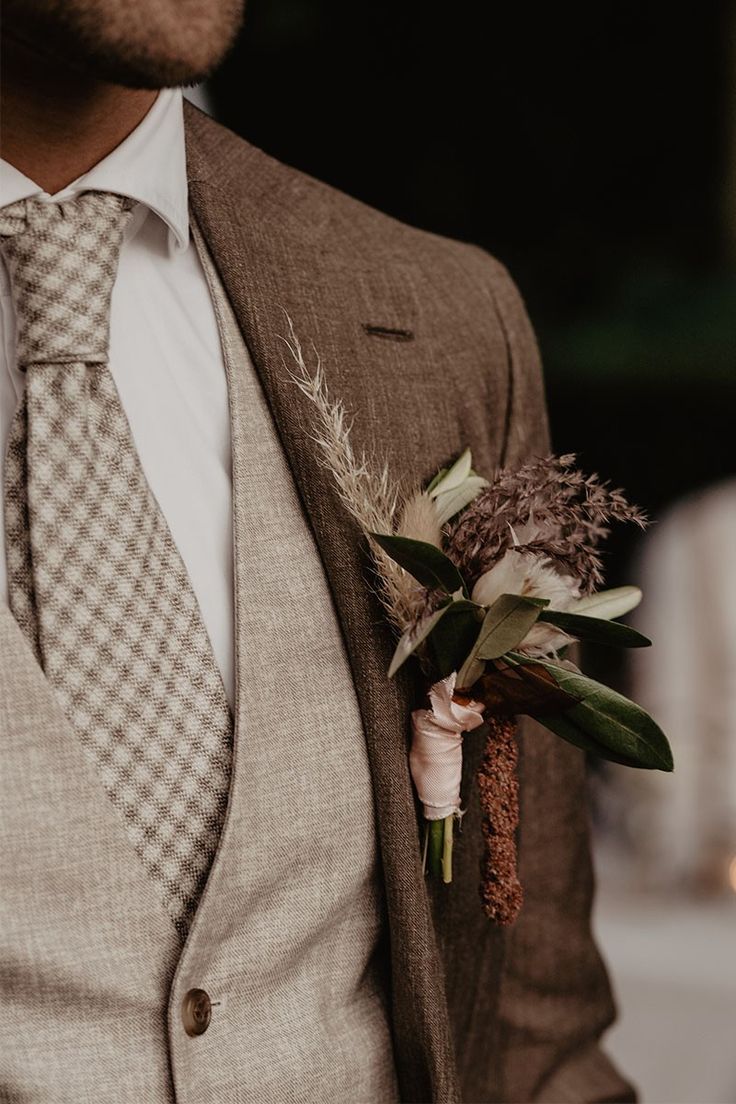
{"x": 487, "y": 582}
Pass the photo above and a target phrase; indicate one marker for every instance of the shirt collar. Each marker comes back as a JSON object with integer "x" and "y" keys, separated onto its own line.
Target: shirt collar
{"x": 149, "y": 166}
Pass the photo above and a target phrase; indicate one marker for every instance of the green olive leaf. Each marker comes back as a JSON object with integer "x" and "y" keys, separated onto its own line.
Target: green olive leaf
{"x": 506, "y": 624}
{"x": 428, "y": 564}
{"x": 606, "y": 722}
{"x": 595, "y": 629}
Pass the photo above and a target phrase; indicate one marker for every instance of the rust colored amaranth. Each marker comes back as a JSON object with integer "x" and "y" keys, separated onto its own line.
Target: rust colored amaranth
{"x": 500, "y": 889}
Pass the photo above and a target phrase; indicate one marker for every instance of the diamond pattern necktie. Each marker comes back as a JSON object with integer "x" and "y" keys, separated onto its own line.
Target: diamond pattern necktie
{"x": 95, "y": 580}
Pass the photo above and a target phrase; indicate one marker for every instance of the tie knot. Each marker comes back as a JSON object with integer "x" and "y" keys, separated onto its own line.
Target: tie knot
{"x": 62, "y": 259}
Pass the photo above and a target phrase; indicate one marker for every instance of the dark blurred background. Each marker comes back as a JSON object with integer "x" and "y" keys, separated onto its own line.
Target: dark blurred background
{"x": 592, "y": 149}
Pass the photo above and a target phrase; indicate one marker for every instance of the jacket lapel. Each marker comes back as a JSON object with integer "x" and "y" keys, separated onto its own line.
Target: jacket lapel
{"x": 268, "y": 258}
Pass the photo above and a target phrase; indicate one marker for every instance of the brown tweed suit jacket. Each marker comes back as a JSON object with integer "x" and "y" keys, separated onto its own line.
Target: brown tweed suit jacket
{"x": 478, "y": 1014}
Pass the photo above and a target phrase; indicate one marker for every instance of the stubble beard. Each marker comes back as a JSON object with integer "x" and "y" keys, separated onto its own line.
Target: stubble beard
{"x": 144, "y": 44}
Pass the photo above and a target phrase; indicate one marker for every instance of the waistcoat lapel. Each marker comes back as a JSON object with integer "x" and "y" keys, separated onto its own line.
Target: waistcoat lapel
{"x": 269, "y": 262}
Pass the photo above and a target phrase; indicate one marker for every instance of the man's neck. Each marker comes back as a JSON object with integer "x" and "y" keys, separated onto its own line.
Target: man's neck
{"x": 58, "y": 123}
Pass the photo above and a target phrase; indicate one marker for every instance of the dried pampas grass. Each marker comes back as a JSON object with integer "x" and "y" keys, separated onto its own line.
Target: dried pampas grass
{"x": 419, "y": 520}
{"x": 365, "y": 487}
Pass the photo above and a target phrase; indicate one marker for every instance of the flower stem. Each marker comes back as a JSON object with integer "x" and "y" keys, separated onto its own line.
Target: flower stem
{"x": 426, "y": 846}
{"x": 447, "y": 850}
{"x": 436, "y": 841}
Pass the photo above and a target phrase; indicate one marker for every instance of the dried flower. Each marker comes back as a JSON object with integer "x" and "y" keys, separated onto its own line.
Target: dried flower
{"x": 365, "y": 488}
{"x": 500, "y": 890}
{"x": 419, "y": 520}
{"x": 454, "y": 488}
{"x": 547, "y": 507}
{"x": 533, "y": 576}
{"x": 533, "y": 533}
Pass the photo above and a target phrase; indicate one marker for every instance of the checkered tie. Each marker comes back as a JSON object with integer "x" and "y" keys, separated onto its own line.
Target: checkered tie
{"x": 95, "y": 579}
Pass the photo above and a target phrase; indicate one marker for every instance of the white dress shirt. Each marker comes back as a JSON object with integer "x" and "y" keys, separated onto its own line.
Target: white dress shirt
{"x": 165, "y": 357}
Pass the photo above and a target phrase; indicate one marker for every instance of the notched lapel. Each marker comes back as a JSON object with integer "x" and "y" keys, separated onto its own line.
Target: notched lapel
{"x": 268, "y": 261}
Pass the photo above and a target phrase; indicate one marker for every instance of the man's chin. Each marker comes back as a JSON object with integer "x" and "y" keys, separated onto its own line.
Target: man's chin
{"x": 150, "y": 72}
{"x": 121, "y": 50}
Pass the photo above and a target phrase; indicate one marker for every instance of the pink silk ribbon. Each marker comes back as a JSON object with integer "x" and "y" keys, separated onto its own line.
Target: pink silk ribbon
{"x": 436, "y": 757}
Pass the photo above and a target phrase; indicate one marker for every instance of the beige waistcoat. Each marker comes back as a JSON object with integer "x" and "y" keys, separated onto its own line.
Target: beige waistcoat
{"x": 288, "y": 940}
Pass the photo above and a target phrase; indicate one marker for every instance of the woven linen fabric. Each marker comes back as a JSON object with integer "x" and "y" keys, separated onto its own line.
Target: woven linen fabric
{"x": 95, "y": 580}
